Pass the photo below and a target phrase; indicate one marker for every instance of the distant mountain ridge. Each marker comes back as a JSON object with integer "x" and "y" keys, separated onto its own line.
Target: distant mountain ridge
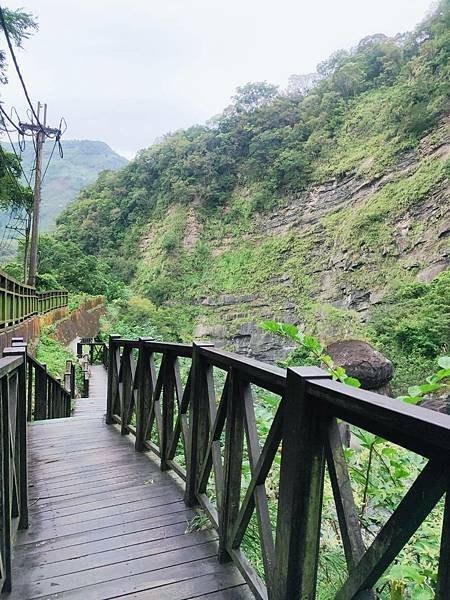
{"x": 82, "y": 162}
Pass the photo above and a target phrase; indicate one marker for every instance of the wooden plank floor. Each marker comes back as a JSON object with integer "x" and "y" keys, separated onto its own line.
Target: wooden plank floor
{"x": 106, "y": 523}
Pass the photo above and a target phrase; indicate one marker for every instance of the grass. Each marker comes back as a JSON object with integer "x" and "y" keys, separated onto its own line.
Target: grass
{"x": 54, "y": 355}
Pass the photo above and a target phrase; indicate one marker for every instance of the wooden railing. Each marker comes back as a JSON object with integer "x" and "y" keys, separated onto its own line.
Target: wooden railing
{"x": 95, "y": 350}
{"x": 168, "y": 397}
{"x": 14, "y": 499}
{"x": 27, "y": 392}
{"x": 19, "y": 302}
{"x": 47, "y": 396}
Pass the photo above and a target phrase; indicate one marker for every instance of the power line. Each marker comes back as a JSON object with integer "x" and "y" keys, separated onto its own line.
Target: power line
{"x": 61, "y": 154}
{"x": 8, "y": 118}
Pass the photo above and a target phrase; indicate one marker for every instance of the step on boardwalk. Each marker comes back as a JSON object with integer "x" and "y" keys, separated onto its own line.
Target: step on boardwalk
{"x": 105, "y": 522}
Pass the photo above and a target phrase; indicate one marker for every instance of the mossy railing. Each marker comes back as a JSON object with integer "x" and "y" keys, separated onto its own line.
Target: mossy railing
{"x": 19, "y": 302}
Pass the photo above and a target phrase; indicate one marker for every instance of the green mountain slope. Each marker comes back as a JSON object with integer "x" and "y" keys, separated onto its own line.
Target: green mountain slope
{"x": 327, "y": 208}
{"x": 82, "y": 162}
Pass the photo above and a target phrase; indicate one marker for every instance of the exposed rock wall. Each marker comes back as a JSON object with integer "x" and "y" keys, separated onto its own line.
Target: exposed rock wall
{"x": 83, "y": 322}
{"x": 345, "y": 275}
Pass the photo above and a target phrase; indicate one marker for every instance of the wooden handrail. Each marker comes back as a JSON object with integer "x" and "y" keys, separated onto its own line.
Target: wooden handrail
{"x": 19, "y": 302}
{"x": 205, "y": 434}
{"x": 48, "y": 397}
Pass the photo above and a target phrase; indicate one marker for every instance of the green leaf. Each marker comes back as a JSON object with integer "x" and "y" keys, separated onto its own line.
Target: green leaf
{"x": 444, "y": 362}
{"x": 312, "y": 344}
{"x": 410, "y": 399}
{"x": 352, "y": 381}
{"x": 340, "y": 373}
{"x": 426, "y": 388}
{"x": 327, "y": 360}
{"x": 442, "y": 374}
{"x": 272, "y": 326}
{"x": 414, "y": 391}
{"x": 290, "y": 331}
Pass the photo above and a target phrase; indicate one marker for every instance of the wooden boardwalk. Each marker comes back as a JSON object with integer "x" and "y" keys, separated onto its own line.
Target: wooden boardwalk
{"x": 105, "y": 522}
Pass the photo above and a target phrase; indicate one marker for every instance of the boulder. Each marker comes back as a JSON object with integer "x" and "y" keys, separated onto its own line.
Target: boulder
{"x": 362, "y": 361}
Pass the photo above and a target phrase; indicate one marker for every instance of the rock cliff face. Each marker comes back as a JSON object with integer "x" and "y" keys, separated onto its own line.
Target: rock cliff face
{"x": 357, "y": 235}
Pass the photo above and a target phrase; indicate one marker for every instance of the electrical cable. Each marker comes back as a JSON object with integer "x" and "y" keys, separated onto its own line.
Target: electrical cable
{"x": 8, "y": 118}
{"x": 50, "y": 158}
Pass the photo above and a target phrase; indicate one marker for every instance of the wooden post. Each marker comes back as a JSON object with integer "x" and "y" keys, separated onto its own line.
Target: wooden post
{"x": 168, "y": 397}
{"x": 58, "y": 399}
{"x": 50, "y": 399}
{"x": 85, "y": 383}
{"x": 144, "y": 392}
{"x": 234, "y": 445}
{"x": 30, "y": 391}
{"x": 5, "y": 482}
{"x": 126, "y": 380}
{"x": 40, "y": 393}
{"x": 112, "y": 377}
{"x": 72, "y": 381}
{"x": 300, "y": 491}
{"x": 443, "y": 583}
{"x": 21, "y": 429}
{"x": 199, "y": 426}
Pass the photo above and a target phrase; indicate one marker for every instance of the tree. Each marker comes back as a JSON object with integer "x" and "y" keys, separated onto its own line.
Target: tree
{"x": 252, "y": 96}
{"x": 300, "y": 85}
{"x": 12, "y": 193}
{"x": 20, "y": 25}
{"x": 349, "y": 79}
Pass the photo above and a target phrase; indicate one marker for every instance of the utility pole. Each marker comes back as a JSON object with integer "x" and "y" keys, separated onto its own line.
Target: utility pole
{"x": 41, "y": 132}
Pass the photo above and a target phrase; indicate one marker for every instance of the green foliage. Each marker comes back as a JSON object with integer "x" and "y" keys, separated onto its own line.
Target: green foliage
{"x": 137, "y": 316}
{"x": 77, "y": 300}
{"x": 20, "y": 26}
{"x": 371, "y": 219}
{"x": 14, "y": 270}
{"x": 13, "y": 194}
{"x": 365, "y": 109}
{"x": 63, "y": 264}
{"x": 436, "y": 382}
{"x": 54, "y": 355}
{"x": 47, "y": 281}
{"x": 412, "y": 328}
{"x": 312, "y": 347}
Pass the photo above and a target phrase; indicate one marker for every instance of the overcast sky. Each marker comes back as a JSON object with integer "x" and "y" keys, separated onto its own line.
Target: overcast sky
{"x": 126, "y": 72}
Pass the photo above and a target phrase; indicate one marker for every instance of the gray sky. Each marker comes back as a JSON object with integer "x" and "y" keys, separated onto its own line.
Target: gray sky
{"x": 128, "y": 72}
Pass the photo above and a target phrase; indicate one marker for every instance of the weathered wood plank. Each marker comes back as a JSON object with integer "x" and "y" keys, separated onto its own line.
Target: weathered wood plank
{"x": 179, "y": 582}
{"x": 106, "y": 522}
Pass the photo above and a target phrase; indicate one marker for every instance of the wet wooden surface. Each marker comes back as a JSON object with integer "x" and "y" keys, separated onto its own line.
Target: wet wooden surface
{"x": 105, "y": 522}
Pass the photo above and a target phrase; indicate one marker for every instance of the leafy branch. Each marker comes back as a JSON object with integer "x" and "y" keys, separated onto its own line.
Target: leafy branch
{"x": 313, "y": 345}
{"x": 433, "y": 383}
